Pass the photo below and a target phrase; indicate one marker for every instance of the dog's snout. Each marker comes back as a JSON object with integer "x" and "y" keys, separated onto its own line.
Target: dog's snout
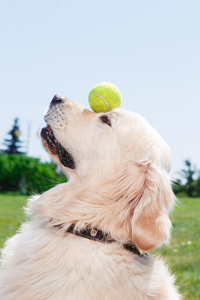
{"x": 57, "y": 99}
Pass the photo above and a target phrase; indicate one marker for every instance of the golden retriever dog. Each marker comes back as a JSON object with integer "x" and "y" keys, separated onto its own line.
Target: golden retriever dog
{"x": 88, "y": 238}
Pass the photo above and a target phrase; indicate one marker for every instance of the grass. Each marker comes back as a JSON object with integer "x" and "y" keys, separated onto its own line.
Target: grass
{"x": 11, "y": 215}
{"x": 183, "y": 254}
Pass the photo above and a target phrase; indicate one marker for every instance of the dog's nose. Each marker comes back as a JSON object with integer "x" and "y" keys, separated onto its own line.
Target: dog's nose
{"x": 57, "y": 99}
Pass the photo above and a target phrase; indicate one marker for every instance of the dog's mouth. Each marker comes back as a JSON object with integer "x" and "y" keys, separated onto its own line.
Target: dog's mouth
{"x": 56, "y": 148}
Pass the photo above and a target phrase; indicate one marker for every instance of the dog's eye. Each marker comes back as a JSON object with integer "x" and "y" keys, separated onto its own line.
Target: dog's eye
{"x": 105, "y": 119}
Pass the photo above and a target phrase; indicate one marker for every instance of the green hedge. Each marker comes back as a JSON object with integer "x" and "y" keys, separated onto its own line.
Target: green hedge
{"x": 27, "y": 174}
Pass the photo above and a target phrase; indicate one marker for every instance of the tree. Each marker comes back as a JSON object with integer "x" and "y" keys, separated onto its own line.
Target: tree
{"x": 13, "y": 144}
{"x": 188, "y": 174}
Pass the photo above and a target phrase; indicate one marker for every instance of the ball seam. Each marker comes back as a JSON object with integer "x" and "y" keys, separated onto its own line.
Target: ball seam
{"x": 102, "y": 99}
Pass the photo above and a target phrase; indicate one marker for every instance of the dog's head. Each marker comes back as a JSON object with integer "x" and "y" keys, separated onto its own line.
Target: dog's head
{"x": 123, "y": 160}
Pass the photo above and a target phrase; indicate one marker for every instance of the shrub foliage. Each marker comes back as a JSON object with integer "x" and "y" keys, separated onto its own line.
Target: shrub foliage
{"x": 27, "y": 174}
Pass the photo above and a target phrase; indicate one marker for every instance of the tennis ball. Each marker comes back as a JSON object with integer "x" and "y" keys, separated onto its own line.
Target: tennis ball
{"x": 104, "y": 97}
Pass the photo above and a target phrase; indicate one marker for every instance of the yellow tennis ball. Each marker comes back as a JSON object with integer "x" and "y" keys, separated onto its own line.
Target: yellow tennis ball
{"x": 104, "y": 97}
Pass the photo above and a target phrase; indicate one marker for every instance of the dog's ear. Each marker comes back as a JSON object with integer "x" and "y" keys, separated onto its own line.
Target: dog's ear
{"x": 150, "y": 222}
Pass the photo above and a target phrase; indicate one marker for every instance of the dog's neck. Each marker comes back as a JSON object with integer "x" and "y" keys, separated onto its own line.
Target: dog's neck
{"x": 105, "y": 204}
{"x": 99, "y": 236}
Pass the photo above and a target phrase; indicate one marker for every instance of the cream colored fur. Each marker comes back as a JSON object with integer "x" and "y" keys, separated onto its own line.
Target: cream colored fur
{"x": 120, "y": 185}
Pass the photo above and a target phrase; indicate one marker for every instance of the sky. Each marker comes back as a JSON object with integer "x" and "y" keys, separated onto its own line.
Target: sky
{"x": 149, "y": 49}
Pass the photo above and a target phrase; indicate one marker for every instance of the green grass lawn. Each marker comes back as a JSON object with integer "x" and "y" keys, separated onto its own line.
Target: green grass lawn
{"x": 11, "y": 215}
{"x": 183, "y": 254}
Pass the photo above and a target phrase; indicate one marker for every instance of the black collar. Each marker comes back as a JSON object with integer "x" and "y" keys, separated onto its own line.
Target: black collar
{"x": 98, "y": 235}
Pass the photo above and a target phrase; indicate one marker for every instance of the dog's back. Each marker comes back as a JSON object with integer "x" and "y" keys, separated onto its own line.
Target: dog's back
{"x": 46, "y": 264}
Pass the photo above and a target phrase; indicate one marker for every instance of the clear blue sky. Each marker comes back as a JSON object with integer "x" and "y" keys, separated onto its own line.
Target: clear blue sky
{"x": 149, "y": 49}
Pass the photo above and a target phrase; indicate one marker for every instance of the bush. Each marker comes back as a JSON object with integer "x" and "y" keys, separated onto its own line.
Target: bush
{"x": 27, "y": 174}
